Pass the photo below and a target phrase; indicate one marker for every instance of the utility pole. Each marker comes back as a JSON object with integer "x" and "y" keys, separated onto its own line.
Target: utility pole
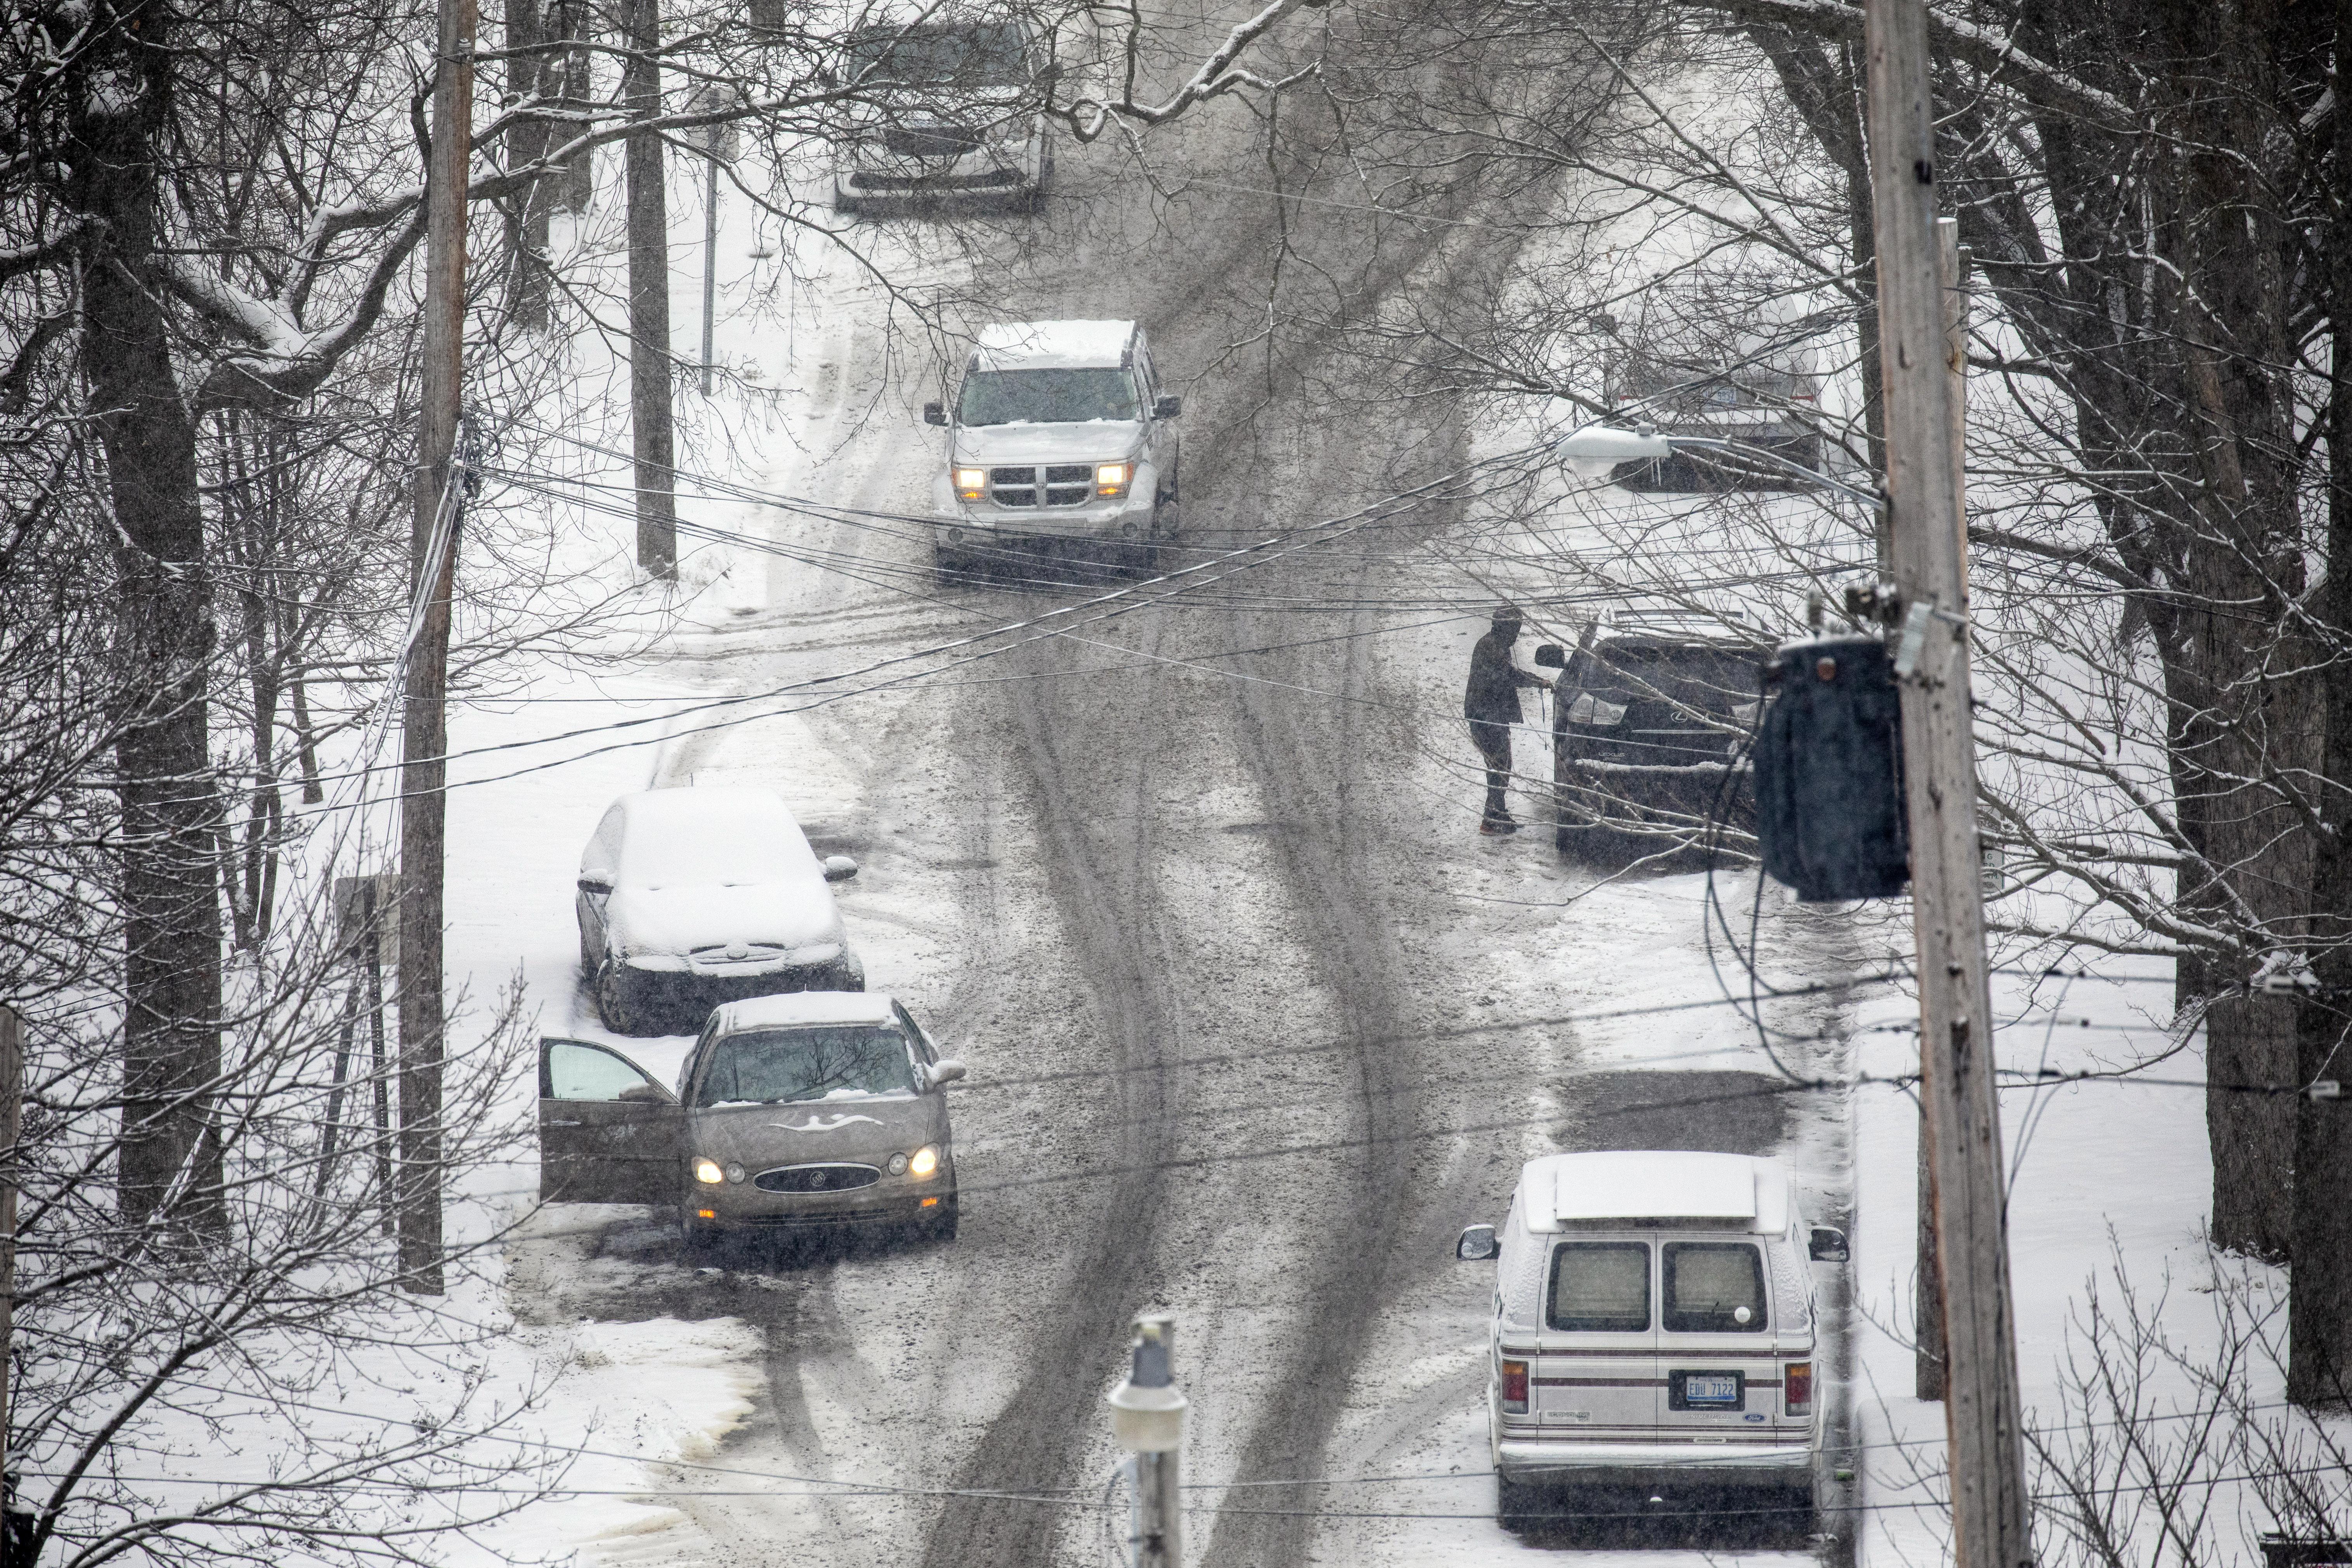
{"x": 433, "y": 568}
{"x": 1923, "y": 474}
{"x": 654, "y": 435}
{"x": 1146, "y": 1419}
{"x": 711, "y": 261}
{"x": 1928, "y": 1300}
{"x": 16, "y": 1524}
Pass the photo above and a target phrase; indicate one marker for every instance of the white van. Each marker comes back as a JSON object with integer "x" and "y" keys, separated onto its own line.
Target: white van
{"x": 1653, "y": 1323}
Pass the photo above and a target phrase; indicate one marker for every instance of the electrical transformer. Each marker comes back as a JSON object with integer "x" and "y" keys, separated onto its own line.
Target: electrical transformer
{"x": 1829, "y": 773}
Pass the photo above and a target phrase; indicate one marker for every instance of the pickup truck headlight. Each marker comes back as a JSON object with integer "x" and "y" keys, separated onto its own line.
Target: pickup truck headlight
{"x": 971, "y": 484}
{"x": 1112, "y": 478}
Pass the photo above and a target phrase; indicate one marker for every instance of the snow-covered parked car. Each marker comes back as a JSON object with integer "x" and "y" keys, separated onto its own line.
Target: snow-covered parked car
{"x": 1653, "y": 1324}
{"x": 688, "y": 898}
{"x": 943, "y": 104}
{"x": 822, "y": 1108}
{"x": 1060, "y": 442}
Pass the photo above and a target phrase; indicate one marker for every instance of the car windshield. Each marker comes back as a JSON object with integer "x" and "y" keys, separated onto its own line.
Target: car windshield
{"x": 716, "y": 850}
{"x": 836, "y": 1061}
{"x": 982, "y": 54}
{"x": 1045, "y": 396}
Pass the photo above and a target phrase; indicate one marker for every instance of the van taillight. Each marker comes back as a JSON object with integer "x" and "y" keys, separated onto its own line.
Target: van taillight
{"x": 1796, "y": 1387}
{"x": 1514, "y": 1387}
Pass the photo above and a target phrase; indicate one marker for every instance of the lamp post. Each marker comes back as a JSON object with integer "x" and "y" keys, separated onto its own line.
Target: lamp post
{"x": 1146, "y": 1419}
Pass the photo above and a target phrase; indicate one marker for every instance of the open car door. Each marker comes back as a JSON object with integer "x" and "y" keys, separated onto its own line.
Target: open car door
{"x": 607, "y": 1133}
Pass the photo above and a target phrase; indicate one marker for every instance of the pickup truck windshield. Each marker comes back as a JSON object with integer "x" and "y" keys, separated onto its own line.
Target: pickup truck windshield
{"x": 1045, "y": 396}
{"x": 984, "y": 53}
{"x": 769, "y": 1066}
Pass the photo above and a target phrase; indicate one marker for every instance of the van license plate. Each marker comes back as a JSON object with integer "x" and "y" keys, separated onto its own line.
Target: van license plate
{"x": 1711, "y": 1390}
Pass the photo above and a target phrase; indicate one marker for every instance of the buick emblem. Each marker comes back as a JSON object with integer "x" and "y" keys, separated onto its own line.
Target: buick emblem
{"x": 819, "y": 1180}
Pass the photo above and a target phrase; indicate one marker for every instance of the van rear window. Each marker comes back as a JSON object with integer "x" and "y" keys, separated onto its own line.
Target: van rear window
{"x": 1713, "y": 1287}
{"x": 1601, "y": 1288}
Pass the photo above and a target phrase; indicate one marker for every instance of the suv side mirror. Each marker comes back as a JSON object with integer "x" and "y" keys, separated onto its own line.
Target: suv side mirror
{"x": 596, "y": 885}
{"x": 1550, "y": 656}
{"x": 935, "y": 412}
{"x": 839, "y": 868}
{"x": 1828, "y": 1245}
{"x": 1477, "y": 1244}
{"x": 1167, "y": 407}
{"x": 947, "y": 1069}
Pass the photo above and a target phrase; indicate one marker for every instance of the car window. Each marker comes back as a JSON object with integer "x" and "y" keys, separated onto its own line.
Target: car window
{"x": 1045, "y": 396}
{"x": 577, "y": 1071}
{"x": 1601, "y": 1288}
{"x": 922, "y": 1036}
{"x": 1713, "y": 1287}
{"x": 722, "y": 851}
{"x": 837, "y": 1060}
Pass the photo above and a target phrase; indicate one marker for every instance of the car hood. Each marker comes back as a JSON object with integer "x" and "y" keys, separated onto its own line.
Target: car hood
{"x": 1096, "y": 441}
{"x": 677, "y": 921}
{"x": 865, "y": 1129}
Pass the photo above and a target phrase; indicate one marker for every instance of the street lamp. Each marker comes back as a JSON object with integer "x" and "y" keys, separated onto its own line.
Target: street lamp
{"x": 1146, "y": 1419}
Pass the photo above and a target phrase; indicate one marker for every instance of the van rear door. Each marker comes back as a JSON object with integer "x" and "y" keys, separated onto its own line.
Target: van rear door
{"x": 1598, "y": 1372}
{"x": 1716, "y": 1341}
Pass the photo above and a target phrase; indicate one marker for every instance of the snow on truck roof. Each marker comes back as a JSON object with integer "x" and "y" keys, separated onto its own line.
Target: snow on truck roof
{"x": 1061, "y": 345}
{"x": 798, "y": 1010}
{"x": 1742, "y": 1192}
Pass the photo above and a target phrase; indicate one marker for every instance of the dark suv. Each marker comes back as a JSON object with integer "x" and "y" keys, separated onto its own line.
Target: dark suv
{"x": 1650, "y": 738}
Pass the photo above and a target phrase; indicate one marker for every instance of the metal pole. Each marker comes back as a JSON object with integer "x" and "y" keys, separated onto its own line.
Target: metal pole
{"x": 653, "y": 427}
{"x": 711, "y": 261}
{"x": 1923, "y": 461}
{"x": 1148, "y": 1420}
{"x": 16, "y": 1526}
{"x": 433, "y": 565}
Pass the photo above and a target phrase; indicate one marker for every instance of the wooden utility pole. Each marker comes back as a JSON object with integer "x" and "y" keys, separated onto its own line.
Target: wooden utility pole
{"x": 433, "y": 568}
{"x": 12, "y": 1128}
{"x": 1927, "y": 1299}
{"x": 1924, "y": 473}
{"x": 655, "y": 438}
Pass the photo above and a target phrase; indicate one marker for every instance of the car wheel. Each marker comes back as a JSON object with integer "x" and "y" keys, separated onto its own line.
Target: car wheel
{"x": 617, "y": 1004}
{"x": 948, "y": 566}
{"x": 942, "y": 1228}
{"x": 694, "y": 1237}
{"x": 1518, "y": 1502}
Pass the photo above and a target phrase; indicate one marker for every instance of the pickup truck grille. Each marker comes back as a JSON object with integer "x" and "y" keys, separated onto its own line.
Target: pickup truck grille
{"x": 1059, "y": 484}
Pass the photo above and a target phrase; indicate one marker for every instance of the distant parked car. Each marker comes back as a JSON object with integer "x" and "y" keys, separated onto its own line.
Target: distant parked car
{"x": 1650, "y": 730}
{"x": 1709, "y": 358}
{"x": 822, "y": 1108}
{"x": 945, "y": 105}
{"x": 688, "y": 898}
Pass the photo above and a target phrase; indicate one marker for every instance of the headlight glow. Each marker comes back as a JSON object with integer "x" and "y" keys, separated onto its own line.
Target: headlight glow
{"x": 926, "y": 1161}
{"x": 1112, "y": 478}
{"x": 708, "y": 1172}
{"x": 971, "y": 484}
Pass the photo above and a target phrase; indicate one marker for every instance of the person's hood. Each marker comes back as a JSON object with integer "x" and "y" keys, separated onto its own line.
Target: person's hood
{"x": 1096, "y": 441}
{"x": 866, "y": 1129}
{"x": 679, "y": 921}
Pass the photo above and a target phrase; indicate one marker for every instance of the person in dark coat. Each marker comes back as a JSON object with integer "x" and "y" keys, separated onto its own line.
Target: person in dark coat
{"x": 1492, "y": 706}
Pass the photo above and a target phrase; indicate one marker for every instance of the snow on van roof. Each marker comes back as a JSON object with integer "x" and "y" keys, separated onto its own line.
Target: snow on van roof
{"x": 1745, "y": 1193}
{"x": 1069, "y": 345}
{"x": 796, "y": 1009}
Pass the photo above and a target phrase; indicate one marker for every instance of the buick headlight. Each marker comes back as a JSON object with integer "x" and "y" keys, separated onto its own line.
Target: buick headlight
{"x": 897, "y": 1164}
{"x": 1112, "y": 478}
{"x": 925, "y": 1161}
{"x": 708, "y": 1172}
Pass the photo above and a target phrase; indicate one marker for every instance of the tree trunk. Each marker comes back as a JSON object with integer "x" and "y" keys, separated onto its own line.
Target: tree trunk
{"x": 2319, "y": 1290}
{"x": 168, "y": 1167}
{"x": 649, "y": 358}
{"x": 526, "y": 214}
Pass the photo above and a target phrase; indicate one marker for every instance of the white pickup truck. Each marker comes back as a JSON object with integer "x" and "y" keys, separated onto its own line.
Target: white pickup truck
{"x": 1060, "y": 445}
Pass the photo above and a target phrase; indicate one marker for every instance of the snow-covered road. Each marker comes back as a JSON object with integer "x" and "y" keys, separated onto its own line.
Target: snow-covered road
{"x": 1255, "y": 1016}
